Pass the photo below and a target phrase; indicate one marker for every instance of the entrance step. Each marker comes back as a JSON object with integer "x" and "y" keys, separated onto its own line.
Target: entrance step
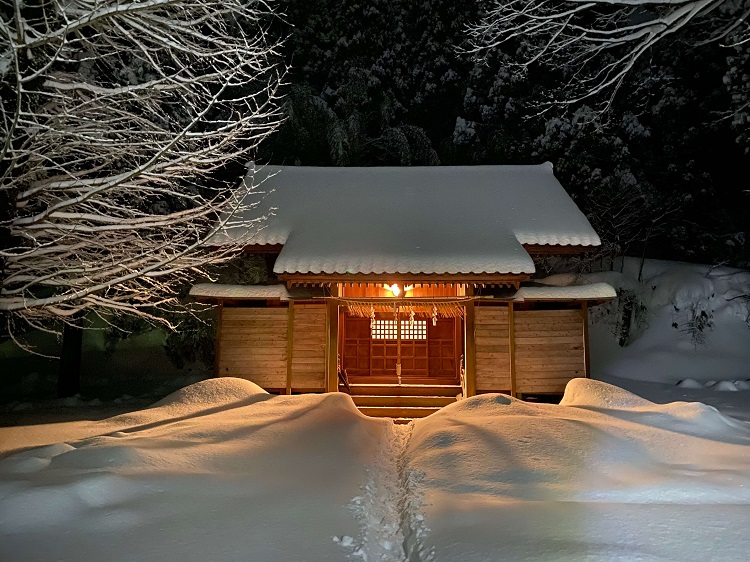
{"x": 451, "y": 390}
{"x": 399, "y": 413}
{"x": 403, "y": 402}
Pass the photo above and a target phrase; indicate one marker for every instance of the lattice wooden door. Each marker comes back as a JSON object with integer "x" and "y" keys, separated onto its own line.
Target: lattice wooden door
{"x": 426, "y": 351}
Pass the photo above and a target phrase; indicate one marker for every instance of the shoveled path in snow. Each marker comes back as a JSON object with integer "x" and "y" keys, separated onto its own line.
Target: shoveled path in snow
{"x": 392, "y": 528}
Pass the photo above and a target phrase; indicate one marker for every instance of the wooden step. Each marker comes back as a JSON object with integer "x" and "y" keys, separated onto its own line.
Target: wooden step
{"x": 397, "y": 412}
{"x": 421, "y": 401}
{"x": 391, "y": 379}
{"x": 451, "y": 390}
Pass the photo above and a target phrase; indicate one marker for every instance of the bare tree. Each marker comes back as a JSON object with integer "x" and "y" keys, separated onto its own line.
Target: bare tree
{"x": 117, "y": 116}
{"x": 601, "y": 41}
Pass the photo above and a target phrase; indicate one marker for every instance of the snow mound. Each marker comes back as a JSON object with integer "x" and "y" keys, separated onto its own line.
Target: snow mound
{"x": 697, "y": 419}
{"x": 212, "y": 473}
{"x": 720, "y": 386}
{"x": 589, "y": 393}
{"x": 606, "y": 475}
{"x": 212, "y": 392}
{"x": 483, "y": 405}
{"x": 35, "y": 459}
{"x": 689, "y": 418}
{"x": 725, "y": 386}
{"x": 690, "y": 383}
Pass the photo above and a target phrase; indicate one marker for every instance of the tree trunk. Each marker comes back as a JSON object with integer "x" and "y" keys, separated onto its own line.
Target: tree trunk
{"x": 69, "y": 378}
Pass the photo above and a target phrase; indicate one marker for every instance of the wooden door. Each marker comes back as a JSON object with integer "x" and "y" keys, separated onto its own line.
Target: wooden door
{"x": 443, "y": 348}
{"x": 356, "y": 346}
{"x": 427, "y": 352}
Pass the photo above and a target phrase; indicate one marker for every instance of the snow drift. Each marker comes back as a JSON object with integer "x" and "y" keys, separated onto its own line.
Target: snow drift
{"x": 218, "y": 471}
{"x": 606, "y": 475}
{"x": 688, "y": 321}
{"x": 224, "y": 471}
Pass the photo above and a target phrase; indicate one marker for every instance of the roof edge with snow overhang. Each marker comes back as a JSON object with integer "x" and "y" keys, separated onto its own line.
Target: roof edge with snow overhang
{"x": 422, "y": 219}
{"x": 221, "y": 291}
{"x": 217, "y": 291}
{"x": 593, "y": 292}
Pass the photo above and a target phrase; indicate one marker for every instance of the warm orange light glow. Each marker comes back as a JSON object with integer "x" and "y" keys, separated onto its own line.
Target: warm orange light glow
{"x": 395, "y": 289}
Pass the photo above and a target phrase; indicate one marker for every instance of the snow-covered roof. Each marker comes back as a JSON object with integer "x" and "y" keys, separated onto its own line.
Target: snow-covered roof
{"x": 594, "y": 291}
{"x": 435, "y": 219}
{"x": 252, "y": 292}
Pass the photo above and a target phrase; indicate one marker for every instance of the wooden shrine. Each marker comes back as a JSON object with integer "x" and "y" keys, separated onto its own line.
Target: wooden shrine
{"x": 405, "y": 278}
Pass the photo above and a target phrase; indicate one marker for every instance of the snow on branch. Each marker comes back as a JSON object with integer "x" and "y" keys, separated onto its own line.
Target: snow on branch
{"x": 119, "y": 120}
{"x": 600, "y": 41}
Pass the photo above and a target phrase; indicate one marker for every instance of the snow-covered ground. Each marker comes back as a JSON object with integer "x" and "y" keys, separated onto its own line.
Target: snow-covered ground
{"x": 605, "y": 475}
{"x": 689, "y": 321}
{"x": 689, "y": 338}
{"x": 223, "y": 471}
{"x": 220, "y": 470}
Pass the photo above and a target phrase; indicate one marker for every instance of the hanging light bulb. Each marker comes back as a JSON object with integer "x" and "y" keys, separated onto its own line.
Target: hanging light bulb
{"x": 394, "y": 289}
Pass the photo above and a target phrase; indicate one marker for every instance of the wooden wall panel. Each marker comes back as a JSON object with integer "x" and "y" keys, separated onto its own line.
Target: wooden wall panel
{"x": 492, "y": 349}
{"x": 253, "y": 345}
{"x": 549, "y": 349}
{"x": 309, "y": 347}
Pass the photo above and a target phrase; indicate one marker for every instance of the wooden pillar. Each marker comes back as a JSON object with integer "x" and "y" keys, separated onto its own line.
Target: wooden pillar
{"x": 289, "y": 346}
{"x": 586, "y": 359}
{"x": 512, "y": 349}
{"x": 332, "y": 344}
{"x": 470, "y": 371}
{"x": 398, "y": 343}
{"x": 217, "y": 332}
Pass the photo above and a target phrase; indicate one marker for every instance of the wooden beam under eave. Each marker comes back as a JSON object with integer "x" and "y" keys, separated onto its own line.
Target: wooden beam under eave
{"x": 470, "y": 370}
{"x": 586, "y": 358}
{"x": 289, "y": 346}
{"x": 512, "y": 349}
{"x": 557, "y": 249}
{"x": 262, "y": 248}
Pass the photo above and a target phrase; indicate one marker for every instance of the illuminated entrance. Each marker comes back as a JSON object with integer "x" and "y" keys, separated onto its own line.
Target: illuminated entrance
{"x": 411, "y": 339}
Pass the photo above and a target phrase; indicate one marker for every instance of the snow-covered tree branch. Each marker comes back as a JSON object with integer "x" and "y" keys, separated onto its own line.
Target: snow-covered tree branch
{"x": 600, "y": 41}
{"x": 117, "y": 119}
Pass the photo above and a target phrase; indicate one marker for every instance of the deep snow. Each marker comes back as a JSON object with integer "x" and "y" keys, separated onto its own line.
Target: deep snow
{"x": 662, "y": 347}
{"x": 605, "y": 475}
{"x": 218, "y": 471}
{"x": 221, "y": 470}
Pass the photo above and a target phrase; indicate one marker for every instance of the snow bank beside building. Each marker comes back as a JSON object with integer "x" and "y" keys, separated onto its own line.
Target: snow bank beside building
{"x": 681, "y": 321}
{"x": 605, "y": 476}
{"x": 223, "y": 471}
{"x": 218, "y": 471}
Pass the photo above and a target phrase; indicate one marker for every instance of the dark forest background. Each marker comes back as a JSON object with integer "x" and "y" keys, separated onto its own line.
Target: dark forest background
{"x": 390, "y": 82}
